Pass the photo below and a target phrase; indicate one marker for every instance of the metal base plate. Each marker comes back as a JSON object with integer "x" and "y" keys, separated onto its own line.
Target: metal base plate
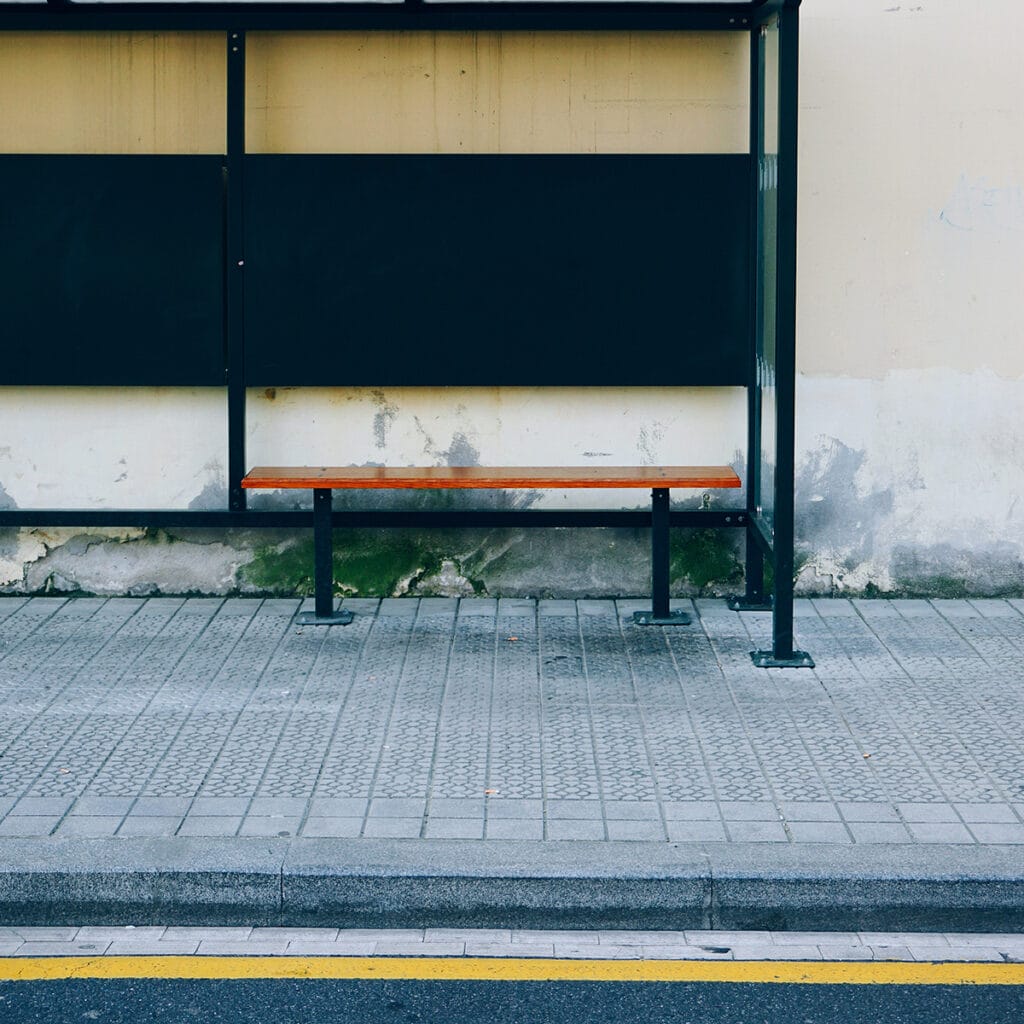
{"x": 649, "y": 619}
{"x": 341, "y": 618}
{"x": 738, "y": 603}
{"x": 765, "y": 659}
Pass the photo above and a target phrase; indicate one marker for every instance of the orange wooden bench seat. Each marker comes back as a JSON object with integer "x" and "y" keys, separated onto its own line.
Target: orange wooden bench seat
{"x": 322, "y": 480}
{"x": 481, "y": 477}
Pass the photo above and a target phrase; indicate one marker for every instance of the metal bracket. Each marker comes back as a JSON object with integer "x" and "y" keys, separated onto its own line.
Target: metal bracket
{"x": 339, "y": 618}
{"x": 767, "y": 659}
{"x": 650, "y": 619}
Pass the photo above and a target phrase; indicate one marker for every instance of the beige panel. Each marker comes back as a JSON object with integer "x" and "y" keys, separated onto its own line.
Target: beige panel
{"x": 112, "y": 92}
{"x": 493, "y": 92}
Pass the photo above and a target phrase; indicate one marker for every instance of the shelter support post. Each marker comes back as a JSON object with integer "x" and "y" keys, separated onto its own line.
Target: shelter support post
{"x": 783, "y": 653}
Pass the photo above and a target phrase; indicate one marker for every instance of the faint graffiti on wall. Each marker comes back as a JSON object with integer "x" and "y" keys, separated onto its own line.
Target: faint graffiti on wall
{"x": 980, "y": 206}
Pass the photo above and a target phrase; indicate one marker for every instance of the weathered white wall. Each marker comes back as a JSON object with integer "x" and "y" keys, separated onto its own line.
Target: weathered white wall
{"x": 911, "y": 324}
{"x": 910, "y": 433}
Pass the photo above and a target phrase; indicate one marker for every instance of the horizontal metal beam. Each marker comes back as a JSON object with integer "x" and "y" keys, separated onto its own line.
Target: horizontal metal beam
{"x": 392, "y": 17}
{"x": 421, "y": 518}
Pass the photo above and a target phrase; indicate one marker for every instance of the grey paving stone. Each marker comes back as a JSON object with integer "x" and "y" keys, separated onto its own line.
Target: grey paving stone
{"x": 691, "y": 810}
{"x": 998, "y": 833}
{"x": 149, "y": 826}
{"x": 312, "y": 947}
{"x": 810, "y": 811}
{"x": 868, "y": 811}
{"x": 940, "y": 833}
{"x": 210, "y": 825}
{"x": 756, "y": 832}
{"x": 102, "y": 805}
{"x": 631, "y": 810}
{"x": 841, "y": 952}
{"x": 457, "y": 807}
{"x": 405, "y": 935}
{"x": 819, "y": 832}
{"x": 277, "y": 806}
{"x": 9, "y": 948}
{"x": 870, "y": 832}
{"x": 916, "y": 812}
{"x": 770, "y": 951}
{"x": 649, "y": 831}
{"x": 574, "y": 809}
{"x": 986, "y": 813}
{"x": 188, "y": 933}
{"x": 969, "y": 954}
{"x": 486, "y": 606}
{"x": 515, "y": 828}
{"x": 501, "y": 949}
{"x": 39, "y": 933}
{"x": 94, "y": 948}
{"x": 574, "y": 828}
{"x": 997, "y": 940}
{"x": 535, "y": 935}
{"x": 398, "y": 606}
{"x": 388, "y": 948}
{"x": 401, "y": 807}
{"x": 749, "y": 810}
{"x": 338, "y": 807}
{"x": 586, "y": 951}
{"x": 901, "y": 953}
{"x": 41, "y": 806}
{"x": 723, "y": 937}
{"x": 816, "y": 938}
{"x": 161, "y": 806}
{"x": 902, "y": 939}
{"x": 28, "y": 825}
{"x": 393, "y": 828}
{"x": 340, "y": 828}
{"x": 256, "y": 826}
{"x": 125, "y": 933}
{"x": 218, "y": 806}
{"x": 514, "y": 808}
{"x": 220, "y": 947}
{"x": 683, "y": 952}
{"x": 454, "y": 828}
{"x": 150, "y": 947}
{"x": 89, "y": 825}
{"x": 696, "y": 831}
{"x": 642, "y": 938}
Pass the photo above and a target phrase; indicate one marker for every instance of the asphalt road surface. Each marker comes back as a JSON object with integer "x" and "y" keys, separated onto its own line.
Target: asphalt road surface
{"x": 317, "y": 1001}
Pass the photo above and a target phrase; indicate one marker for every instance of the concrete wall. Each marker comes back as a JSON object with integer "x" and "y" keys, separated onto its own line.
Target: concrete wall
{"x": 910, "y": 439}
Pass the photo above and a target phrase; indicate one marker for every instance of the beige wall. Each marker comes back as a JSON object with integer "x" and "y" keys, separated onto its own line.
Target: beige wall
{"x": 490, "y": 92}
{"x": 912, "y": 187}
{"x": 114, "y": 92}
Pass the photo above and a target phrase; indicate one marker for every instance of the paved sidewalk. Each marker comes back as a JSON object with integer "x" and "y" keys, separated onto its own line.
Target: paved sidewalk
{"x": 928, "y": 947}
{"x": 548, "y": 733}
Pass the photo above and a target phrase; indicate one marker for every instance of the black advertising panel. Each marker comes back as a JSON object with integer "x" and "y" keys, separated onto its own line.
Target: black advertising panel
{"x": 497, "y": 270}
{"x": 111, "y": 270}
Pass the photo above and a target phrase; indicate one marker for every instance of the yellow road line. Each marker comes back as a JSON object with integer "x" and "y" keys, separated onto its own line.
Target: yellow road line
{"x": 494, "y": 969}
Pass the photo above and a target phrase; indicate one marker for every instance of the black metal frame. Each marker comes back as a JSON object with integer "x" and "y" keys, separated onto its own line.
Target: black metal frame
{"x": 764, "y": 541}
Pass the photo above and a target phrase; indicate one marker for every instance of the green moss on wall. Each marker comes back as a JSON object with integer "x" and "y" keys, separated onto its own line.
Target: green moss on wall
{"x": 366, "y": 562}
{"x": 705, "y": 559}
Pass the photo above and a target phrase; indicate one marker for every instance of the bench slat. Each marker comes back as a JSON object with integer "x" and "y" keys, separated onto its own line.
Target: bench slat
{"x": 480, "y": 477}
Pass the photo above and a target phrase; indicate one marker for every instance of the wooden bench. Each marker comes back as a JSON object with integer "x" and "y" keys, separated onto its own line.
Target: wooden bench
{"x": 323, "y": 479}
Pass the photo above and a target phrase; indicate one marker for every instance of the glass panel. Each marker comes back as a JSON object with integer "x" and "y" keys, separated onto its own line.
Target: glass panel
{"x": 768, "y": 170}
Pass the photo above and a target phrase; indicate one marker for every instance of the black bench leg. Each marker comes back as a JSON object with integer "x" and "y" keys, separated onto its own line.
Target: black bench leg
{"x": 323, "y": 567}
{"x": 660, "y": 613}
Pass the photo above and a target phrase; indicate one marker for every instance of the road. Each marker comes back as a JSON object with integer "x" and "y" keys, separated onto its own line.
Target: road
{"x": 825, "y": 994}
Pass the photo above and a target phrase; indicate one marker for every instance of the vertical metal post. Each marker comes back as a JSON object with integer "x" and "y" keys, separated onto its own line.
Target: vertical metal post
{"x": 783, "y": 654}
{"x": 660, "y": 614}
{"x": 754, "y": 597}
{"x": 323, "y": 566}
{"x": 234, "y": 268}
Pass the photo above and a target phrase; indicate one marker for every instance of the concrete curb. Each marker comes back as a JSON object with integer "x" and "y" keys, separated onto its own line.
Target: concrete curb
{"x": 451, "y": 883}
